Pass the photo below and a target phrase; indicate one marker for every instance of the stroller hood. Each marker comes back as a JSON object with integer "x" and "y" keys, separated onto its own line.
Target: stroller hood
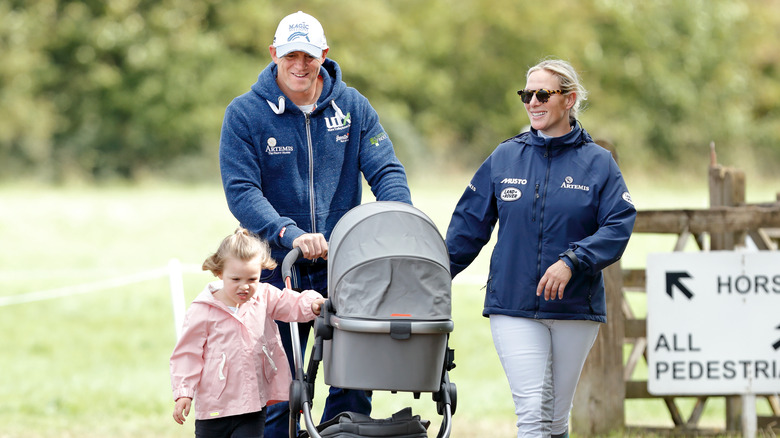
{"x": 388, "y": 260}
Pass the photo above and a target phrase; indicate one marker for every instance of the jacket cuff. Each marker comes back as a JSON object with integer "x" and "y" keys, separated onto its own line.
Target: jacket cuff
{"x": 309, "y": 296}
{"x": 288, "y": 234}
{"x": 183, "y": 392}
{"x": 570, "y": 259}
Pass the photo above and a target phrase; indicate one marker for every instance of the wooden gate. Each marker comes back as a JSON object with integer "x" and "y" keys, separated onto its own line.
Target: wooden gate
{"x": 606, "y": 380}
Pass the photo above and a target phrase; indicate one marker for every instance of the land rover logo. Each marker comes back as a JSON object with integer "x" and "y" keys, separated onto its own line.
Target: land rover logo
{"x": 511, "y": 194}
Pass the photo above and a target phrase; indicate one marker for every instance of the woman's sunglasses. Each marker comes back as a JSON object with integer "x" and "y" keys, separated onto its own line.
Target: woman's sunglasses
{"x": 541, "y": 95}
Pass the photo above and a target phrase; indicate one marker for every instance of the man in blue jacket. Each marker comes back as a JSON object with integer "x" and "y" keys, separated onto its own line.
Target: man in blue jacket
{"x": 292, "y": 152}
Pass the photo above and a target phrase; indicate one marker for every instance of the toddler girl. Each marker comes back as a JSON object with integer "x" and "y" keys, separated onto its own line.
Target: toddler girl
{"x": 230, "y": 354}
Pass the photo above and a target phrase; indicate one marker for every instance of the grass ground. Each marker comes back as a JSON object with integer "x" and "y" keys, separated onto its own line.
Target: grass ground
{"x": 94, "y": 362}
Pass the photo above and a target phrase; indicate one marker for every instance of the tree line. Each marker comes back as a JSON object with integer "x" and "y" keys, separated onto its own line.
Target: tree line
{"x": 105, "y": 89}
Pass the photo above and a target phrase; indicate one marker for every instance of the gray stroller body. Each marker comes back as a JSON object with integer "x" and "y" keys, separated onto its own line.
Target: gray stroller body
{"x": 387, "y": 320}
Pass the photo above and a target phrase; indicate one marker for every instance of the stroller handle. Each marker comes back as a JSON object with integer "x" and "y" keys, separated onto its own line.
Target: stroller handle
{"x": 295, "y": 339}
{"x": 384, "y": 326}
{"x": 287, "y": 263}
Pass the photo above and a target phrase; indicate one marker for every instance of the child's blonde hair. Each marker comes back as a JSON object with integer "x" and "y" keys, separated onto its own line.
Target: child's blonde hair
{"x": 242, "y": 245}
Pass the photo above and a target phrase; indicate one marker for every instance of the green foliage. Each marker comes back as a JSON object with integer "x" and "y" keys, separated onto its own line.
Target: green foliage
{"x": 128, "y": 88}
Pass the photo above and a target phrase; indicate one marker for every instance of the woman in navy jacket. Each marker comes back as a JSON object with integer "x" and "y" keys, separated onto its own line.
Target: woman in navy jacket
{"x": 564, "y": 214}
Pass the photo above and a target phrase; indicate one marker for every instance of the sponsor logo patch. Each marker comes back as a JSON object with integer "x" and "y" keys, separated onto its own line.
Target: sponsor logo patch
{"x": 377, "y": 139}
{"x": 568, "y": 183}
{"x": 627, "y": 197}
{"x": 522, "y": 181}
{"x": 337, "y": 123}
{"x": 298, "y": 30}
{"x": 511, "y": 194}
{"x": 273, "y": 149}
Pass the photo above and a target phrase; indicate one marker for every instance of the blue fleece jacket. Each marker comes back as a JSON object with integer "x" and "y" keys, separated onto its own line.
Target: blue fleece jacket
{"x": 286, "y": 173}
{"x": 554, "y": 198}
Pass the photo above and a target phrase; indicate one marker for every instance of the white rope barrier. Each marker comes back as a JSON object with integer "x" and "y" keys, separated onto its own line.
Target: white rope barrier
{"x": 83, "y": 288}
{"x": 174, "y": 271}
{"x": 176, "y": 281}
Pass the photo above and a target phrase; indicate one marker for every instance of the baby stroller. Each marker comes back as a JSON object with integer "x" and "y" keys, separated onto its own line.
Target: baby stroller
{"x": 386, "y": 323}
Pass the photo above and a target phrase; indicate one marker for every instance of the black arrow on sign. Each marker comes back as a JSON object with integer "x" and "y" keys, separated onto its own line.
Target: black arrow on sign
{"x": 776, "y": 345}
{"x": 673, "y": 279}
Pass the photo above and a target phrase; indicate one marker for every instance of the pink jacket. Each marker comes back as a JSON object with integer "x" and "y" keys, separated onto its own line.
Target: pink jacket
{"x": 235, "y": 364}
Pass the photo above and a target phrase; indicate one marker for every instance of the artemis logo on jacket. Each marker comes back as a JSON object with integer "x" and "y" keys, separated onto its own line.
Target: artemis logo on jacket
{"x": 567, "y": 184}
{"x": 273, "y": 149}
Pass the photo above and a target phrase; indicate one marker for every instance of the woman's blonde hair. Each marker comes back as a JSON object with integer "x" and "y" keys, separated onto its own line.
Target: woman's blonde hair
{"x": 242, "y": 245}
{"x": 569, "y": 81}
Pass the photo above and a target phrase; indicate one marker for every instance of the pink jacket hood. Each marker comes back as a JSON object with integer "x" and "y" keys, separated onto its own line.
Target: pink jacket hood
{"x": 233, "y": 364}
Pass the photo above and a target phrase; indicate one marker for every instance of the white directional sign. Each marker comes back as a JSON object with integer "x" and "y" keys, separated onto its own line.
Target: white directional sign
{"x": 713, "y": 323}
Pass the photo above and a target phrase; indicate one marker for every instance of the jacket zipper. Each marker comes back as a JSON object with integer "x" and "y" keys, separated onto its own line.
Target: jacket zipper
{"x": 548, "y": 155}
{"x": 311, "y": 172}
{"x": 536, "y": 199}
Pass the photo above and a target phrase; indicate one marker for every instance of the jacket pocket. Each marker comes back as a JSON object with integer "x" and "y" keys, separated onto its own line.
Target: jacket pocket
{"x": 215, "y": 375}
{"x": 269, "y": 364}
{"x": 491, "y": 297}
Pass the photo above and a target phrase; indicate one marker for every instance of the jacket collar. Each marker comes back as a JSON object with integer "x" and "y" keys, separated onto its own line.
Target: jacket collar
{"x": 575, "y": 137}
{"x": 206, "y": 296}
{"x": 332, "y": 86}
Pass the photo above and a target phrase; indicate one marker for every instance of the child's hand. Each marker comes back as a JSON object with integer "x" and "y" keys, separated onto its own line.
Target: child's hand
{"x": 182, "y": 409}
{"x": 316, "y": 305}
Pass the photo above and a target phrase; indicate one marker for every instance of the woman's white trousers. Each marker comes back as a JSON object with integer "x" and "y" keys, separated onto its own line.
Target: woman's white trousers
{"x": 542, "y": 359}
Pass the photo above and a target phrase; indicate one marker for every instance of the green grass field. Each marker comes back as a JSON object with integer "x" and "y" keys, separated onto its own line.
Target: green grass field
{"x": 93, "y": 362}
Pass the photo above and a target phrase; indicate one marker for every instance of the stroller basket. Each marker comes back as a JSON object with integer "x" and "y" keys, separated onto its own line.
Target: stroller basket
{"x": 401, "y": 355}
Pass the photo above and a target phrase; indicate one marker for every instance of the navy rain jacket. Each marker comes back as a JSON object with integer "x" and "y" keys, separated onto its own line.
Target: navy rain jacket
{"x": 549, "y": 195}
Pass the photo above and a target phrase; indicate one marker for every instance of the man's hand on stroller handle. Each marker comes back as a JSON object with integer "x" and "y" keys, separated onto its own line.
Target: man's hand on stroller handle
{"x": 313, "y": 245}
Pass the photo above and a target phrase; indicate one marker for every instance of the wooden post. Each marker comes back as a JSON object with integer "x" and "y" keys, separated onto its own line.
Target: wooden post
{"x": 727, "y": 189}
{"x": 598, "y": 403}
{"x": 599, "y": 400}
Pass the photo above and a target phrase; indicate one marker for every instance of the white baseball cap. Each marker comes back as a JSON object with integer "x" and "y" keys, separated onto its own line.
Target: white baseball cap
{"x": 300, "y": 32}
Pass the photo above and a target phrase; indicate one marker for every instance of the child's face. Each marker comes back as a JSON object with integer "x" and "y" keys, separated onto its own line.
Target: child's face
{"x": 241, "y": 279}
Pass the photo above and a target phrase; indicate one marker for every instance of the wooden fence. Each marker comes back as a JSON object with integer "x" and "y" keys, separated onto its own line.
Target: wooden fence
{"x": 599, "y": 405}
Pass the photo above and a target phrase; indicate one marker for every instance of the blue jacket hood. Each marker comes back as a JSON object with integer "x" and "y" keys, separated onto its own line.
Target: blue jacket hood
{"x": 332, "y": 85}
{"x": 576, "y": 136}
